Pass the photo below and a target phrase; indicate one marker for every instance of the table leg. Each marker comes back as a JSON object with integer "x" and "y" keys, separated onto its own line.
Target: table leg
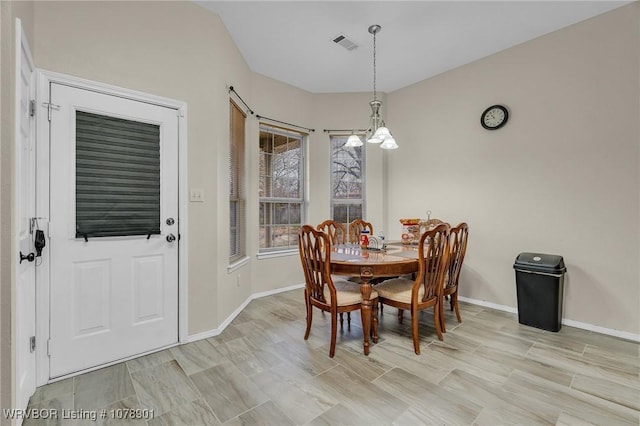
{"x": 366, "y": 274}
{"x": 374, "y": 331}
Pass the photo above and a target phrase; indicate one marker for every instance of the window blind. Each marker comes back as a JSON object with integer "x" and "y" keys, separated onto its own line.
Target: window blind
{"x": 237, "y": 220}
{"x": 117, "y": 176}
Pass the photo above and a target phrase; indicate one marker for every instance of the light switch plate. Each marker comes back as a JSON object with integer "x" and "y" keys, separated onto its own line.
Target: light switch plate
{"x": 196, "y": 195}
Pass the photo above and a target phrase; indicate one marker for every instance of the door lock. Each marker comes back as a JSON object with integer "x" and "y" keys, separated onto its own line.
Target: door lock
{"x": 171, "y": 238}
{"x": 39, "y": 242}
{"x": 29, "y": 257}
{"x": 170, "y": 221}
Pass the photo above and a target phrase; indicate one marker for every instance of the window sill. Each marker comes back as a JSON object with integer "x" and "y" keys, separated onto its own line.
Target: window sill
{"x": 279, "y": 253}
{"x": 238, "y": 264}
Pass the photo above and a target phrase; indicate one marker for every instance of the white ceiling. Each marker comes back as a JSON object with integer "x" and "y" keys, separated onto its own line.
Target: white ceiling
{"x": 291, "y": 41}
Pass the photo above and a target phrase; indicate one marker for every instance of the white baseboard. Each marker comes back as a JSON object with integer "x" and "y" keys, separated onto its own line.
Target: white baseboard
{"x": 602, "y": 330}
{"x": 234, "y": 314}
{"x": 276, "y": 291}
{"x": 568, "y": 322}
{"x": 486, "y": 304}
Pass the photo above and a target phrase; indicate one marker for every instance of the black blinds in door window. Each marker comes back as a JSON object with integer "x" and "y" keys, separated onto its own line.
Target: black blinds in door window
{"x": 117, "y": 177}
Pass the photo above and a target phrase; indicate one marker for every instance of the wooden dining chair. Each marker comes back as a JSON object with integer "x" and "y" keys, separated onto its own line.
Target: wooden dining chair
{"x": 356, "y": 227}
{"x": 320, "y": 289}
{"x": 338, "y": 235}
{"x": 426, "y": 290}
{"x": 337, "y": 232}
{"x": 429, "y": 224}
{"x": 457, "y": 250}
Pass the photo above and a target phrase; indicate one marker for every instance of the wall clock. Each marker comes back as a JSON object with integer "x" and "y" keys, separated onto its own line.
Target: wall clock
{"x": 494, "y": 117}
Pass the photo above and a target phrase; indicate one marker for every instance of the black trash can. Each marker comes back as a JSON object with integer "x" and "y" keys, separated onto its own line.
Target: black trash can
{"x": 540, "y": 287}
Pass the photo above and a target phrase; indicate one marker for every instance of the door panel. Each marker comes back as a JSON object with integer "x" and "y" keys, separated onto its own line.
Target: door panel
{"x": 147, "y": 285}
{"x": 90, "y": 297}
{"x": 25, "y": 206}
{"x": 114, "y": 275}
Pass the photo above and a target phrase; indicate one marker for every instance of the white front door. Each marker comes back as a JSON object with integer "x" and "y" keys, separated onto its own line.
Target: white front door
{"x": 25, "y": 221}
{"x": 113, "y": 227}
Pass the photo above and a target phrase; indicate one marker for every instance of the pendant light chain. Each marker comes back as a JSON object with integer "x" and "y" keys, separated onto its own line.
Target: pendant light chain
{"x": 374, "y": 66}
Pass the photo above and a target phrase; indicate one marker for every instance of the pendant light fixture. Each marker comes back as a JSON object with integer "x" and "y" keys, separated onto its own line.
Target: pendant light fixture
{"x": 378, "y": 132}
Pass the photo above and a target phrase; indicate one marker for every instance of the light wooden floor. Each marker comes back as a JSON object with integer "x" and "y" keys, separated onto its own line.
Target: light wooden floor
{"x": 489, "y": 370}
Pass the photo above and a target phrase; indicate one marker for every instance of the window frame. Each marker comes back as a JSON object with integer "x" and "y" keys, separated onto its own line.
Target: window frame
{"x": 301, "y": 201}
{"x": 363, "y": 179}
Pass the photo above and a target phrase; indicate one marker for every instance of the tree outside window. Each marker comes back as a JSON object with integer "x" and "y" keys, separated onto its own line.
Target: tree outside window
{"x": 347, "y": 181}
{"x": 281, "y": 188}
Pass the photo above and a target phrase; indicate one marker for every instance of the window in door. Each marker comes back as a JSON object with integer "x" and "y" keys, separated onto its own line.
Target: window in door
{"x": 347, "y": 181}
{"x": 237, "y": 222}
{"x": 117, "y": 176}
{"x": 281, "y": 188}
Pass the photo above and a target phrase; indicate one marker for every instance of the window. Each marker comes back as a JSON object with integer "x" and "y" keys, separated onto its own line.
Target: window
{"x": 237, "y": 223}
{"x": 347, "y": 181}
{"x": 281, "y": 188}
{"x": 117, "y": 177}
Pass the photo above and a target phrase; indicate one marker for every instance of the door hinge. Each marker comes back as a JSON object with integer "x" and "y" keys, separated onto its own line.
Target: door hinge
{"x": 49, "y": 347}
{"x": 32, "y": 344}
{"x": 32, "y": 108}
{"x": 50, "y": 107}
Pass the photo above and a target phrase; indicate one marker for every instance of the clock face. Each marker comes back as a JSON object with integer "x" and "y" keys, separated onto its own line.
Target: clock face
{"x": 494, "y": 117}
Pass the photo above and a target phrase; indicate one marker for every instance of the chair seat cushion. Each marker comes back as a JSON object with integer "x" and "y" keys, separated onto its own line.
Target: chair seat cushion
{"x": 398, "y": 289}
{"x": 347, "y": 293}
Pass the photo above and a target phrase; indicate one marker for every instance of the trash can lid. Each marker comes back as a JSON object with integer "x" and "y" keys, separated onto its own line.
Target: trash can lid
{"x": 539, "y": 262}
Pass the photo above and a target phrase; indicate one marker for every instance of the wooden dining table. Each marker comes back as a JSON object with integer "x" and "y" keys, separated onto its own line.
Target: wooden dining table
{"x": 353, "y": 261}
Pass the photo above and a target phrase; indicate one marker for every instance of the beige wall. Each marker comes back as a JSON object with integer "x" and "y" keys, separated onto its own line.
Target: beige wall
{"x": 9, "y": 11}
{"x": 561, "y": 177}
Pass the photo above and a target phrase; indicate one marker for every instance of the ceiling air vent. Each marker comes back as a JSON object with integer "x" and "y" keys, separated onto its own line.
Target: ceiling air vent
{"x": 343, "y": 41}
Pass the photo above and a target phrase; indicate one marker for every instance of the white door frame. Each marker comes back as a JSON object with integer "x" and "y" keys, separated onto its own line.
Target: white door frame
{"x": 44, "y": 79}
{"x": 23, "y": 328}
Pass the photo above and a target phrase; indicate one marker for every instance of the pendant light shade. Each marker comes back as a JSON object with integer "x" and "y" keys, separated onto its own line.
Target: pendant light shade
{"x": 389, "y": 143}
{"x": 374, "y": 139}
{"x": 353, "y": 141}
{"x": 382, "y": 133}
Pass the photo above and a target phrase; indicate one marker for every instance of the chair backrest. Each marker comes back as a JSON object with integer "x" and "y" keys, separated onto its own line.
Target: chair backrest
{"x": 426, "y": 225}
{"x": 433, "y": 250}
{"x": 457, "y": 250}
{"x": 356, "y": 227}
{"x": 315, "y": 255}
{"x": 337, "y": 232}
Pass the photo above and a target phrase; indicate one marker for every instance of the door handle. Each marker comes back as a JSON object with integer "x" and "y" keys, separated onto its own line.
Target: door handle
{"x": 29, "y": 257}
{"x": 171, "y": 238}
